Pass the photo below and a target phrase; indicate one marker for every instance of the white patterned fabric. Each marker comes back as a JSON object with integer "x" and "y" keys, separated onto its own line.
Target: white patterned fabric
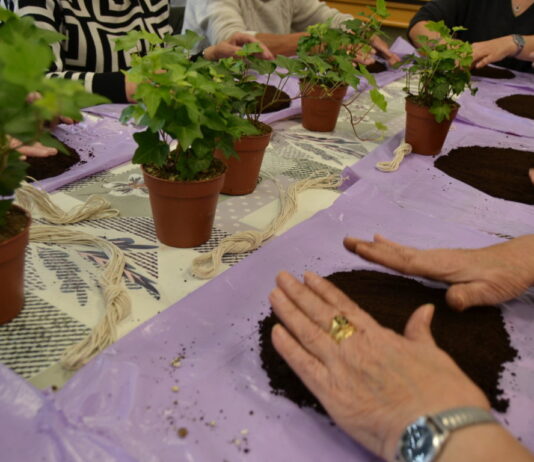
{"x": 87, "y": 54}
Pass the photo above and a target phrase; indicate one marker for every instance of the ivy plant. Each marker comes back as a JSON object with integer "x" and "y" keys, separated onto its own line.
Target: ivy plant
{"x": 190, "y": 101}
{"x": 25, "y": 57}
{"x": 440, "y": 71}
{"x": 327, "y": 57}
{"x": 244, "y": 69}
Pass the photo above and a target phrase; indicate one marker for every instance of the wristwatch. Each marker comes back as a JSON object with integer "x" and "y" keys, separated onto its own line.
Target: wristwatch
{"x": 519, "y": 40}
{"x": 423, "y": 439}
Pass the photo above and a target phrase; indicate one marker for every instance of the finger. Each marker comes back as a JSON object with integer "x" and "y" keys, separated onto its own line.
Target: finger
{"x": 314, "y": 339}
{"x": 37, "y": 150}
{"x": 350, "y": 243}
{"x": 383, "y": 240}
{"x": 304, "y": 297}
{"x": 418, "y": 326}
{"x": 340, "y": 302}
{"x": 66, "y": 120}
{"x": 312, "y": 373}
{"x": 531, "y": 175}
{"x": 467, "y": 294}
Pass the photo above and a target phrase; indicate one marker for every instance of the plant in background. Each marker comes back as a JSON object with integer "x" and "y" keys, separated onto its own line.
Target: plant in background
{"x": 25, "y": 57}
{"x": 244, "y": 70}
{"x": 192, "y": 102}
{"x": 326, "y": 58}
{"x": 440, "y": 71}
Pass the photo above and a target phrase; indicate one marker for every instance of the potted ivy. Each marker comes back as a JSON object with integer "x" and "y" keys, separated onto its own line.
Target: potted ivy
{"x": 438, "y": 73}
{"x": 188, "y": 102}
{"x": 25, "y": 56}
{"x": 325, "y": 65}
{"x": 243, "y": 170}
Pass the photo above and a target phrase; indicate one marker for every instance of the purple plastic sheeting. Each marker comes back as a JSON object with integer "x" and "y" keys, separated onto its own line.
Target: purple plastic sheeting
{"x": 418, "y": 185}
{"x": 101, "y": 144}
{"x": 122, "y": 405}
{"x": 480, "y": 110}
{"x": 521, "y": 79}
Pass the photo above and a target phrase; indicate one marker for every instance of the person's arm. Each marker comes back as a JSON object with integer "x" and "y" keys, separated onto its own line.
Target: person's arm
{"x": 491, "y": 51}
{"x": 48, "y": 15}
{"x": 309, "y": 12}
{"x": 374, "y": 382}
{"x": 451, "y": 12}
{"x": 484, "y": 276}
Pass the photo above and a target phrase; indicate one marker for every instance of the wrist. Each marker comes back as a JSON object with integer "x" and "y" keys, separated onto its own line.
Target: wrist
{"x": 518, "y": 43}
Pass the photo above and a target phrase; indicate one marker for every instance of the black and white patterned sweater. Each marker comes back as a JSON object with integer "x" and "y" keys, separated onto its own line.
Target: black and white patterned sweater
{"x": 91, "y": 27}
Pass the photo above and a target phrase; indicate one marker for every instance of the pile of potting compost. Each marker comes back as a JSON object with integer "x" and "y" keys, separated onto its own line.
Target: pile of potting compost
{"x": 41, "y": 168}
{"x": 519, "y": 105}
{"x": 376, "y": 67}
{"x": 499, "y": 172}
{"x": 476, "y": 338}
{"x": 492, "y": 72}
{"x": 273, "y": 100}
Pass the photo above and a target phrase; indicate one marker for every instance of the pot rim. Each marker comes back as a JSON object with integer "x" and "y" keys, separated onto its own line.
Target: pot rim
{"x": 25, "y": 230}
{"x": 164, "y": 180}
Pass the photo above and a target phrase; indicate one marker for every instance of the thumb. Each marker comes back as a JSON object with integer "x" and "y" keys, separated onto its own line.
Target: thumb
{"x": 418, "y": 326}
{"x": 464, "y": 295}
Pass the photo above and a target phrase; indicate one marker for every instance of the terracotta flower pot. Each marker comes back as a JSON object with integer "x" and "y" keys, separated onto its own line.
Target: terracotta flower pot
{"x": 12, "y": 273}
{"x": 320, "y": 110}
{"x": 183, "y": 211}
{"x": 242, "y": 174}
{"x": 423, "y": 133}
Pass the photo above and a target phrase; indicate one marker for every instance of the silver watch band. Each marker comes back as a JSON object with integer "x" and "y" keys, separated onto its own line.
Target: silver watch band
{"x": 460, "y": 417}
{"x": 519, "y": 40}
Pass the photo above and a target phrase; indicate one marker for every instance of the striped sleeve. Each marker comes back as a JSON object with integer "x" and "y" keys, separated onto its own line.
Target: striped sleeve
{"x": 49, "y": 15}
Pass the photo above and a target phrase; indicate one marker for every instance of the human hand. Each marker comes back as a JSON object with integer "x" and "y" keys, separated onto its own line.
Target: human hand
{"x": 375, "y": 382}
{"x": 383, "y": 49}
{"x": 491, "y": 51}
{"x": 34, "y": 96}
{"x": 478, "y": 276}
{"x": 229, "y": 47}
{"x": 33, "y": 150}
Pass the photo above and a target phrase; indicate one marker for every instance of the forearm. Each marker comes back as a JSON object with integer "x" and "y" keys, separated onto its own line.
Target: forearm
{"x": 420, "y": 29}
{"x": 481, "y": 443}
{"x": 281, "y": 44}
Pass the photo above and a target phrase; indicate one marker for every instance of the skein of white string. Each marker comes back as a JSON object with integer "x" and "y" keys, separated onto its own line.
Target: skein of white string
{"x": 117, "y": 300}
{"x": 206, "y": 265}
{"x": 31, "y": 198}
{"x": 400, "y": 153}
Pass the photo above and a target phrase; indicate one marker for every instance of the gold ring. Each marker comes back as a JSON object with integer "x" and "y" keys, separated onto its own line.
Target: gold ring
{"x": 341, "y": 328}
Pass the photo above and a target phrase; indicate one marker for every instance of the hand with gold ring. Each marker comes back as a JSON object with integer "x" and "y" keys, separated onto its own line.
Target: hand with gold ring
{"x": 370, "y": 380}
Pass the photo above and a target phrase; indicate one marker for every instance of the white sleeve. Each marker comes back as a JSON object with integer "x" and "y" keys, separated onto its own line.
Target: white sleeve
{"x": 309, "y": 12}
{"x": 224, "y": 19}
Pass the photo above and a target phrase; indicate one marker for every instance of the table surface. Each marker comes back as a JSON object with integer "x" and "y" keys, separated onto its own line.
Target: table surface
{"x": 63, "y": 299}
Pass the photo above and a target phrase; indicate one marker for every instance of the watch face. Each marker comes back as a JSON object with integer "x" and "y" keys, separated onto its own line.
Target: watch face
{"x": 417, "y": 444}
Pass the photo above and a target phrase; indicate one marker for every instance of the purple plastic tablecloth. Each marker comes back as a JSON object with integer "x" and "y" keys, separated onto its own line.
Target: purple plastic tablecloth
{"x": 93, "y": 140}
{"x": 481, "y": 110}
{"x": 122, "y": 406}
{"x": 521, "y": 79}
{"x": 418, "y": 185}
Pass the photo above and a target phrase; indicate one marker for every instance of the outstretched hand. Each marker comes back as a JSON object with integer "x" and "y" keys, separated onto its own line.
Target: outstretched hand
{"x": 229, "y": 47}
{"x": 375, "y": 382}
{"x": 477, "y": 276}
{"x": 491, "y": 51}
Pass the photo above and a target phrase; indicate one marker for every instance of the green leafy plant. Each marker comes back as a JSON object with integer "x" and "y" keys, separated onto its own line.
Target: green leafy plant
{"x": 190, "y": 101}
{"x": 244, "y": 70}
{"x": 327, "y": 57}
{"x": 440, "y": 71}
{"x": 25, "y": 56}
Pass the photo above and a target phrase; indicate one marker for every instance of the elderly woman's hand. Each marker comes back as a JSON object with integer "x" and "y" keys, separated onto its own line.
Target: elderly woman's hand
{"x": 374, "y": 382}
{"x": 478, "y": 276}
{"x": 491, "y": 51}
{"x": 34, "y": 150}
